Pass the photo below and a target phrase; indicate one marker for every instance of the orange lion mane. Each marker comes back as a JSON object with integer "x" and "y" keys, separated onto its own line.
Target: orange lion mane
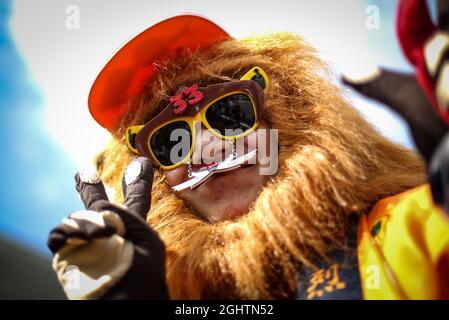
{"x": 333, "y": 166}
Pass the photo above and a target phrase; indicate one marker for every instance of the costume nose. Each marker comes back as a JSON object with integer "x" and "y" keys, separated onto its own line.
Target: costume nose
{"x": 209, "y": 148}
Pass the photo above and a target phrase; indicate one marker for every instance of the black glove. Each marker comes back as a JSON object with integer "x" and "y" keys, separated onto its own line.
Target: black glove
{"x": 401, "y": 93}
{"x": 108, "y": 251}
{"x": 422, "y": 98}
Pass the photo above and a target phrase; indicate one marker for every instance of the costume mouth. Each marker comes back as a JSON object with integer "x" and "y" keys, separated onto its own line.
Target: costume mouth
{"x": 230, "y": 163}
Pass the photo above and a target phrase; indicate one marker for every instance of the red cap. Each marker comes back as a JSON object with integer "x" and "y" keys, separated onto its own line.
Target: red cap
{"x": 127, "y": 72}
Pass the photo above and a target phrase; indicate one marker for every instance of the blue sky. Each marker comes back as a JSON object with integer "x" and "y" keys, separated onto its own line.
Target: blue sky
{"x": 46, "y": 71}
{"x": 36, "y": 187}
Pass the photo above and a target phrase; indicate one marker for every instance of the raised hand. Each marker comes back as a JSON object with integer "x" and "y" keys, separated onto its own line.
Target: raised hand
{"x": 421, "y": 98}
{"x": 402, "y": 93}
{"x": 108, "y": 251}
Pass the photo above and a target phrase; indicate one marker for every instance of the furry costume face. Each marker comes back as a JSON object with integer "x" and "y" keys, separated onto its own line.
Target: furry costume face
{"x": 230, "y": 194}
{"x": 332, "y": 165}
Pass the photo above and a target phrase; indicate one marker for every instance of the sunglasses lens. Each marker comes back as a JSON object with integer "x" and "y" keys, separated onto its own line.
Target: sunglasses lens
{"x": 232, "y": 115}
{"x": 171, "y": 143}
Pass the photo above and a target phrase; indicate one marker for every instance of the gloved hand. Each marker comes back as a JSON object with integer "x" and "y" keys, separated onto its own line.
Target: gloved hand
{"x": 402, "y": 93}
{"x": 108, "y": 251}
{"x": 423, "y": 98}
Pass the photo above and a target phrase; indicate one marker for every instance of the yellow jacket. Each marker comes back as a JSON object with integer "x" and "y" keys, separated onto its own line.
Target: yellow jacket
{"x": 403, "y": 248}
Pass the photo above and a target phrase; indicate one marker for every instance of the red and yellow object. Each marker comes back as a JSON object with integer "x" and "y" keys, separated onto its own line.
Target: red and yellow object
{"x": 403, "y": 248}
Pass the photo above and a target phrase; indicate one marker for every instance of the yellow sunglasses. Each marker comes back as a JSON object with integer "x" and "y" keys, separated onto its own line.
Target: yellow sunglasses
{"x": 228, "y": 110}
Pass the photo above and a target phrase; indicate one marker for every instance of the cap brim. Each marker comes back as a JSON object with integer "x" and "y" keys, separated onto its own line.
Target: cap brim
{"x": 127, "y": 72}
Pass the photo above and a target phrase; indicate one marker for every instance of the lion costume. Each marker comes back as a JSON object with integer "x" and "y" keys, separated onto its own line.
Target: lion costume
{"x": 344, "y": 197}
